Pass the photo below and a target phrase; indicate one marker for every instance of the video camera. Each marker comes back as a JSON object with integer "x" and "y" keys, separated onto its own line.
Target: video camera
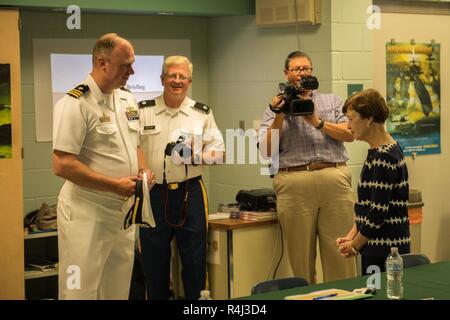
{"x": 179, "y": 146}
{"x": 291, "y": 93}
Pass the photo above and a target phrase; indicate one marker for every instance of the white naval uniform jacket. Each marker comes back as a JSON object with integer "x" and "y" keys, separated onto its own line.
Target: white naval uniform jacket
{"x": 160, "y": 124}
{"x": 104, "y": 137}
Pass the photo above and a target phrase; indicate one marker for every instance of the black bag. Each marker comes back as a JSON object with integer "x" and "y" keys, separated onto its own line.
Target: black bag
{"x": 256, "y": 200}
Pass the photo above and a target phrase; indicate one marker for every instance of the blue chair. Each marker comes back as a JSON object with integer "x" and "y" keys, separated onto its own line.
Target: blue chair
{"x": 414, "y": 259}
{"x": 278, "y": 284}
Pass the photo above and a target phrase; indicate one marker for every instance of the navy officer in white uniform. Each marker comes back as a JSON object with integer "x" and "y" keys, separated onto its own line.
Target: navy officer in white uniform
{"x": 179, "y": 137}
{"x": 95, "y": 149}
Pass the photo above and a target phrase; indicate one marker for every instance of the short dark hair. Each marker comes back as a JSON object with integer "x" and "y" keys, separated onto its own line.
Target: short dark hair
{"x": 293, "y": 55}
{"x": 368, "y": 103}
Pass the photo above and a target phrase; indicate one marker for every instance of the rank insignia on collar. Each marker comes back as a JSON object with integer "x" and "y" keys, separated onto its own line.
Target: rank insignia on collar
{"x": 132, "y": 114}
{"x": 104, "y": 118}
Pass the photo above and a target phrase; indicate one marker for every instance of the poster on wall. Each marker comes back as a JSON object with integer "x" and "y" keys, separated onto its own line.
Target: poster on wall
{"x": 413, "y": 95}
{"x": 5, "y": 112}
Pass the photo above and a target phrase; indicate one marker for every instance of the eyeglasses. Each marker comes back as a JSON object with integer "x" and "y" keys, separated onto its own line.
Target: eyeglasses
{"x": 174, "y": 76}
{"x": 301, "y": 69}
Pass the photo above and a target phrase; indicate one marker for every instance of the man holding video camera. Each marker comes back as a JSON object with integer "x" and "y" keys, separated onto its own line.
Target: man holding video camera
{"x": 179, "y": 136}
{"x": 311, "y": 179}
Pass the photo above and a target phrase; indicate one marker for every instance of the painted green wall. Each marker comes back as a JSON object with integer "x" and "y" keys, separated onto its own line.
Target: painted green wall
{"x": 177, "y": 7}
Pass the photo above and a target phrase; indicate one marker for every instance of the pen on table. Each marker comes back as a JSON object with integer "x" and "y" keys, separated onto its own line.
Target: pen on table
{"x": 325, "y": 296}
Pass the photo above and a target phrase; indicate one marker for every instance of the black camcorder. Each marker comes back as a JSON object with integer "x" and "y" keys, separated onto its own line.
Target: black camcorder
{"x": 178, "y": 146}
{"x": 294, "y": 103}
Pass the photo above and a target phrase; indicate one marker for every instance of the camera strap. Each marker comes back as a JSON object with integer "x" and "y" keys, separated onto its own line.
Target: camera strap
{"x": 169, "y": 186}
{"x": 274, "y": 110}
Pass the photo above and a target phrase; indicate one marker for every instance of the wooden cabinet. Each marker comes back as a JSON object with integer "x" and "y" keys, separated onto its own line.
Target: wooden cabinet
{"x": 247, "y": 252}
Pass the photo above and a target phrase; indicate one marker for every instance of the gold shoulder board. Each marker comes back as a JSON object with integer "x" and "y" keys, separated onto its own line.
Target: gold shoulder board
{"x": 78, "y": 91}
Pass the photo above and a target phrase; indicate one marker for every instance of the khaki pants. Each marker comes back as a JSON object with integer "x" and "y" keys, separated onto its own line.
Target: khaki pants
{"x": 316, "y": 205}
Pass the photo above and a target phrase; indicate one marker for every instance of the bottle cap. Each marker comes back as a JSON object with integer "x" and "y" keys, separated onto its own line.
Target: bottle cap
{"x": 394, "y": 250}
{"x": 204, "y": 293}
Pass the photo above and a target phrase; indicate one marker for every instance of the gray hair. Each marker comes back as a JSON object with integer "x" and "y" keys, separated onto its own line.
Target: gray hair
{"x": 173, "y": 60}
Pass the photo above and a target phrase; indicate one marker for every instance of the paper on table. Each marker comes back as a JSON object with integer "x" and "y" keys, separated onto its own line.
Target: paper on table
{"x": 219, "y": 215}
{"x": 339, "y": 294}
{"x": 353, "y": 296}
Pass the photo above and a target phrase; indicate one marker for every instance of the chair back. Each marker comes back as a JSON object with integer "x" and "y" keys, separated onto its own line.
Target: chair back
{"x": 279, "y": 284}
{"x": 414, "y": 259}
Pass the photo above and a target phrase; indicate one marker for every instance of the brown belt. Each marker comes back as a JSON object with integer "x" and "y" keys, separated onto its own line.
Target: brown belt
{"x": 313, "y": 166}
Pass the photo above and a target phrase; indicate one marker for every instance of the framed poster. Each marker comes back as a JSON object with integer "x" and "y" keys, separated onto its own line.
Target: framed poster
{"x": 414, "y": 96}
{"x": 5, "y": 112}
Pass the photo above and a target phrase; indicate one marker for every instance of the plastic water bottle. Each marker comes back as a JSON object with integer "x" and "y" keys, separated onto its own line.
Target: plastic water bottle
{"x": 204, "y": 295}
{"x": 394, "y": 272}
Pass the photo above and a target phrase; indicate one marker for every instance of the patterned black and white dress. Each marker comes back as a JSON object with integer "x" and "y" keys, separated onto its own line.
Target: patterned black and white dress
{"x": 381, "y": 210}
